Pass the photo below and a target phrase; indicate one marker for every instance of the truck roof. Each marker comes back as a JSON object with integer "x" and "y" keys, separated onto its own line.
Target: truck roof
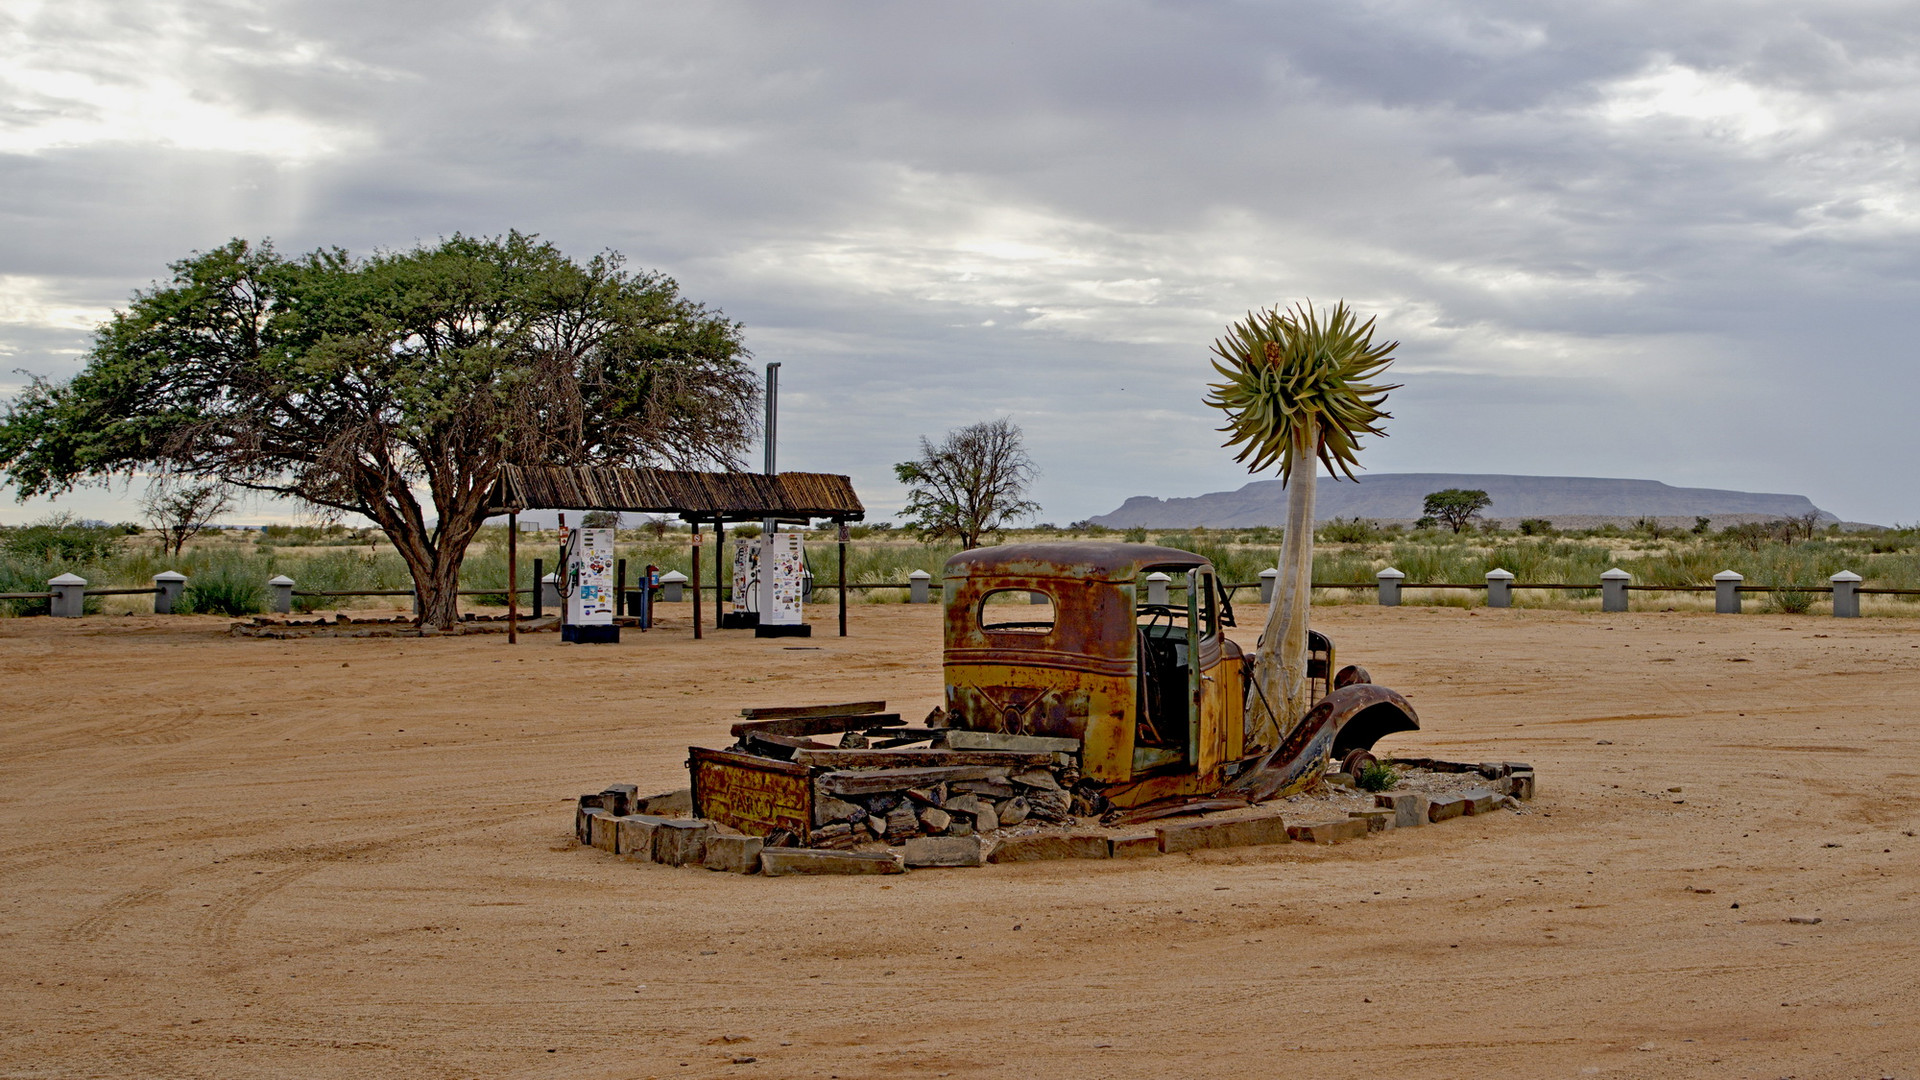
{"x": 1085, "y": 560}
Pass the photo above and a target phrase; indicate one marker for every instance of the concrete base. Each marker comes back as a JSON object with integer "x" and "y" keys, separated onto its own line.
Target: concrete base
{"x": 799, "y": 630}
{"x": 739, "y": 620}
{"x": 594, "y": 634}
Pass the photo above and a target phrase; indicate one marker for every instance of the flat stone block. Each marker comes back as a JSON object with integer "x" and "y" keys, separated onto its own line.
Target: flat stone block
{"x": 666, "y": 804}
{"x": 1133, "y": 847}
{"x": 1378, "y": 820}
{"x": 1328, "y": 832}
{"x": 1339, "y": 779}
{"x": 1481, "y": 801}
{"x": 681, "y": 841}
{"x": 946, "y": 851}
{"x": 621, "y": 799}
{"x": 1238, "y": 832}
{"x": 1051, "y": 846}
{"x": 1522, "y": 785}
{"x": 733, "y": 854}
{"x": 1409, "y": 807}
{"x": 777, "y": 862}
{"x": 633, "y": 835}
{"x": 601, "y": 830}
{"x": 1442, "y": 807}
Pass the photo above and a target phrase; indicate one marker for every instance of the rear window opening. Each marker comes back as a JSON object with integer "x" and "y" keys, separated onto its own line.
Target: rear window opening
{"x": 1016, "y": 611}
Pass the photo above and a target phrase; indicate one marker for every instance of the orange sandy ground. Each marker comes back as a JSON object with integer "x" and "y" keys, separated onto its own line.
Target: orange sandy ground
{"x": 351, "y": 858}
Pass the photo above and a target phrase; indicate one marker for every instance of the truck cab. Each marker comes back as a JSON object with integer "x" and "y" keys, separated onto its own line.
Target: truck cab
{"x": 1063, "y": 640}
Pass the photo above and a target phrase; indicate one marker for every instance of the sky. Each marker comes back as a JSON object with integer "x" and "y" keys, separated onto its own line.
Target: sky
{"x": 1661, "y": 241}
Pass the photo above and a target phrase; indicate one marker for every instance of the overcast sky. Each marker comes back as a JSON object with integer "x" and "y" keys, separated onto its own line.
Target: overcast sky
{"x": 1670, "y": 241}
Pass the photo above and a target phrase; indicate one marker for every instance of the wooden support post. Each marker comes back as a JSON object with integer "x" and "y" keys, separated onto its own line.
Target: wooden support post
{"x": 696, "y": 580}
{"x": 843, "y": 579}
{"x": 539, "y": 586}
{"x": 619, "y": 587}
{"x": 719, "y": 563}
{"x": 513, "y": 578}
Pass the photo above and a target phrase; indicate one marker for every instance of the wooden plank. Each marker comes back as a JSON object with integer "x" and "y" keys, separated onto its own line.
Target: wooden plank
{"x": 819, "y": 725}
{"x": 753, "y": 794}
{"x": 788, "y": 712}
{"x": 857, "y": 759}
{"x": 874, "y": 781}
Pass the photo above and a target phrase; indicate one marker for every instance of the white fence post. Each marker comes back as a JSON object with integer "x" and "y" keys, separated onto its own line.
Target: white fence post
{"x": 282, "y": 587}
{"x": 1846, "y": 601}
{"x": 1726, "y": 593}
{"x": 1613, "y": 589}
{"x": 672, "y": 586}
{"x": 1388, "y": 585}
{"x": 1499, "y": 587}
{"x": 1268, "y": 578}
{"x": 69, "y": 596}
{"x": 919, "y": 587}
{"x": 1157, "y": 588}
{"x": 168, "y": 585}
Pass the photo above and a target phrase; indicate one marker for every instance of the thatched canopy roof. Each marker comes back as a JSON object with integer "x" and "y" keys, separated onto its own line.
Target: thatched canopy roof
{"x": 692, "y": 496}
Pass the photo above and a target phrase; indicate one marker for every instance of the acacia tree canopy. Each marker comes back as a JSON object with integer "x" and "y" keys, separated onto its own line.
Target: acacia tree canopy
{"x": 353, "y": 384}
{"x": 1456, "y": 506}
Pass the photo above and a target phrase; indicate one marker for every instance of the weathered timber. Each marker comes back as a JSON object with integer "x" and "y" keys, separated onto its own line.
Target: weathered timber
{"x": 780, "y": 746}
{"x": 992, "y": 740}
{"x": 788, "y": 712}
{"x": 1133, "y": 847}
{"x": 873, "y": 781}
{"x": 1176, "y": 808}
{"x": 819, "y": 725}
{"x": 862, "y": 759}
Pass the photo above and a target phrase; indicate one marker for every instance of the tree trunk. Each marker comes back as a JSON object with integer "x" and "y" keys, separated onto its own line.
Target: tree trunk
{"x": 1281, "y": 670}
{"x": 439, "y": 592}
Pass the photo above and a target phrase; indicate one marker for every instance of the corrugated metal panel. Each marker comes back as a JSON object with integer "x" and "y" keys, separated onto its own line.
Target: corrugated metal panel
{"x": 702, "y": 495}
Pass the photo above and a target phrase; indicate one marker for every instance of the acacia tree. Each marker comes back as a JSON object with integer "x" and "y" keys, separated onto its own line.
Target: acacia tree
{"x": 1458, "y": 506}
{"x": 181, "y": 510}
{"x": 969, "y": 484}
{"x": 1295, "y": 392}
{"x": 354, "y": 384}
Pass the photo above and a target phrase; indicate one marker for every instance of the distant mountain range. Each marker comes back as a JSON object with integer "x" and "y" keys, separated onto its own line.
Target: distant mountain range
{"x": 1398, "y": 497}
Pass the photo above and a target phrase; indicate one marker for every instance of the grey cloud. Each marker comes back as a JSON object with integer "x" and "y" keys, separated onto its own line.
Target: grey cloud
{"x": 867, "y": 186}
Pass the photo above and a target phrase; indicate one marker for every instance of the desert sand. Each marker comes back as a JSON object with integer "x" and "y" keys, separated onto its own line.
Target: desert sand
{"x": 353, "y": 858}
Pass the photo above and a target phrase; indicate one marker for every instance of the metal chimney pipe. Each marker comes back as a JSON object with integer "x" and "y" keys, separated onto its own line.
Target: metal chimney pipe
{"x": 773, "y": 413}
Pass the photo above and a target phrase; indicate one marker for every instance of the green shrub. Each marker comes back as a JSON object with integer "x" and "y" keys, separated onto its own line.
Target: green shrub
{"x": 225, "y": 590}
{"x": 63, "y": 539}
{"x": 1377, "y": 776}
{"x": 1353, "y": 530}
{"x": 1790, "y": 602}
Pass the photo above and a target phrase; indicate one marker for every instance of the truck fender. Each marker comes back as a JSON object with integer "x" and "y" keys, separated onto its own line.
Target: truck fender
{"x": 1351, "y": 718}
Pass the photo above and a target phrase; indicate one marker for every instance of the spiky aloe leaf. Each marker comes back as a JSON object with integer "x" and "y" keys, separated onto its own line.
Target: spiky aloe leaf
{"x": 1288, "y": 372}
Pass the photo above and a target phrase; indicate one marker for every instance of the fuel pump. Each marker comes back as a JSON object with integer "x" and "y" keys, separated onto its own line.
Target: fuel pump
{"x": 585, "y": 583}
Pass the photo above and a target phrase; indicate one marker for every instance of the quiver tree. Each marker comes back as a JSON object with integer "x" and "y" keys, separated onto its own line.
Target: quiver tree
{"x": 1294, "y": 388}
{"x": 357, "y": 385}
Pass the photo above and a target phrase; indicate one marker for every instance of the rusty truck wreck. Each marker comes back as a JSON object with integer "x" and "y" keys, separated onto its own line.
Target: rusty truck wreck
{"x": 1069, "y": 668}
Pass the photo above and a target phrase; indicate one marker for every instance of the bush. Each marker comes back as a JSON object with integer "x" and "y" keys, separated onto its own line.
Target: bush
{"x": 225, "y": 590}
{"x": 1790, "y": 603}
{"x": 1536, "y": 527}
{"x": 1377, "y": 776}
{"x": 1353, "y": 530}
{"x": 1136, "y": 535}
{"x": 63, "y": 539}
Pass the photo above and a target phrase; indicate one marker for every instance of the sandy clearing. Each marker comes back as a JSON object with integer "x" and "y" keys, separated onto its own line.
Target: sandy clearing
{"x": 229, "y": 857}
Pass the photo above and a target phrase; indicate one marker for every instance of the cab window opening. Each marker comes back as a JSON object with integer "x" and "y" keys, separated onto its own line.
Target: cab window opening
{"x": 1017, "y": 611}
